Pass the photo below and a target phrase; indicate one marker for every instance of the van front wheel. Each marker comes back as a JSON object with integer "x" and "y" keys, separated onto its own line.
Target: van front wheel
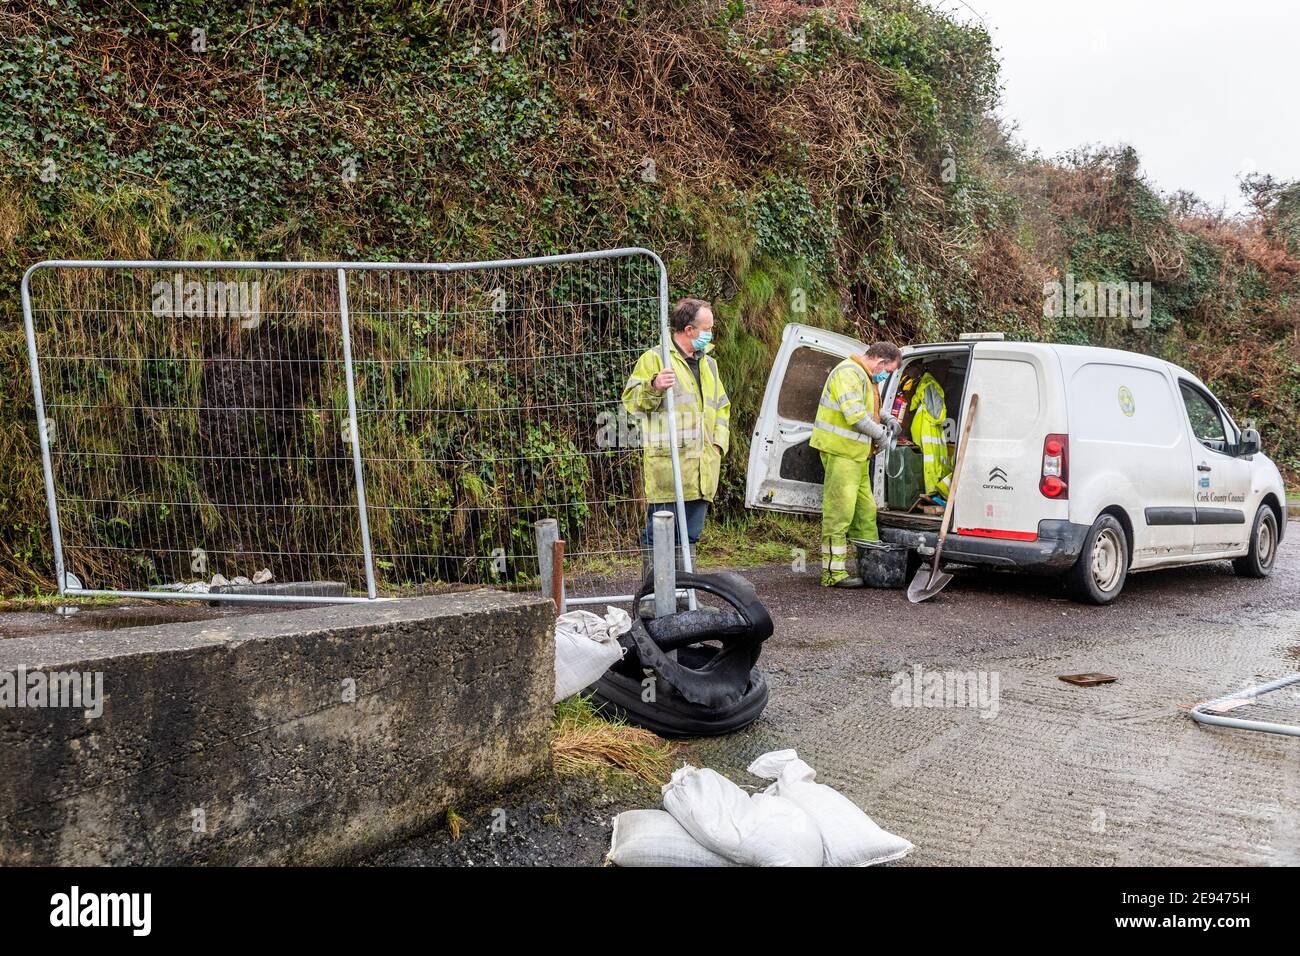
{"x": 1102, "y": 567}
{"x": 1258, "y": 562}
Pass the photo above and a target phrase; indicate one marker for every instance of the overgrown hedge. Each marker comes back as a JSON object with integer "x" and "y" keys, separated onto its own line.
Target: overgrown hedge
{"x": 838, "y": 159}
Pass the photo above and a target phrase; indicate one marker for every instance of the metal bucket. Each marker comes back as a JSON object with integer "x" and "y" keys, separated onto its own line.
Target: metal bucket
{"x": 883, "y": 565}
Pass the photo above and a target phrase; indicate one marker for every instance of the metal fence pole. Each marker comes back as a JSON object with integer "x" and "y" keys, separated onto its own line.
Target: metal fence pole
{"x": 557, "y": 575}
{"x": 354, "y": 430}
{"x": 667, "y": 346}
{"x": 547, "y": 532}
{"x": 665, "y": 565}
{"x": 47, "y": 464}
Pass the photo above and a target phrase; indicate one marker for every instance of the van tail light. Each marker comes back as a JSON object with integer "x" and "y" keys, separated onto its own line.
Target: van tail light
{"x": 1055, "y": 480}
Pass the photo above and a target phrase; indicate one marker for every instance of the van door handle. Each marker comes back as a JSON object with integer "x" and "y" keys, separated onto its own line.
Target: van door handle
{"x": 1203, "y": 467}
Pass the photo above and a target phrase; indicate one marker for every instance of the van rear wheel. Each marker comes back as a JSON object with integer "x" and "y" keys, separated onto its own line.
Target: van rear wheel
{"x": 1258, "y": 562}
{"x": 1102, "y": 567}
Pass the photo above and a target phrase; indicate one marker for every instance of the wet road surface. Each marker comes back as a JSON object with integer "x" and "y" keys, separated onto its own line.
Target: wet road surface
{"x": 1055, "y": 774}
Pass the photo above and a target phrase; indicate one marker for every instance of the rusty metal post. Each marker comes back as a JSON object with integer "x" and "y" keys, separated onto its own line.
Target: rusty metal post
{"x": 557, "y": 575}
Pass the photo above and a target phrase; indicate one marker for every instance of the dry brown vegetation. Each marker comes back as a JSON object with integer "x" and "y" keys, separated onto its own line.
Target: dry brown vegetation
{"x": 863, "y": 170}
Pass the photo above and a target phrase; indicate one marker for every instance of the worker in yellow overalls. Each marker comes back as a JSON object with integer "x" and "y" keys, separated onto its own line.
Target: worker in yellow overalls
{"x": 849, "y": 424}
{"x": 929, "y": 414}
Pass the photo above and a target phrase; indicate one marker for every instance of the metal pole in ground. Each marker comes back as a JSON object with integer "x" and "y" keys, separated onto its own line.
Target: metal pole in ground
{"x": 665, "y": 564}
{"x": 557, "y": 575}
{"x": 666, "y": 348}
{"x": 548, "y": 532}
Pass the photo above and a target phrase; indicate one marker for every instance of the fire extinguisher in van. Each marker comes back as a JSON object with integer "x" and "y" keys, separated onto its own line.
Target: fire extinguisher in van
{"x": 900, "y": 403}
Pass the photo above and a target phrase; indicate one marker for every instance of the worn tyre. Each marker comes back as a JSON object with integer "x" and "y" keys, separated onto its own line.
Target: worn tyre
{"x": 1258, "y": 562}
{"x": 670, "y": 715}
{"x": 1102, "y": 567}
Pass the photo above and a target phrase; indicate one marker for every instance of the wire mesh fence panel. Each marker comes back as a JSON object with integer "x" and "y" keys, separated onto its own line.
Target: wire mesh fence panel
{"x": 490, "y": 398}
{"x": 195, "y": 420}
{"x": 1273, "y": 707}
{"x": 395, "y": 424}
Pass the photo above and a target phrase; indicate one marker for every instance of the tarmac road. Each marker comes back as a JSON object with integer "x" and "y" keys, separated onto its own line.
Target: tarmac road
{"x": 1057, "y": 774}
{"x": 1053, "y": 774}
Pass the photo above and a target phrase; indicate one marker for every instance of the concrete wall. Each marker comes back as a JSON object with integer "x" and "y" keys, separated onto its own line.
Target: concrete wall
{"x": 247, "y": 727}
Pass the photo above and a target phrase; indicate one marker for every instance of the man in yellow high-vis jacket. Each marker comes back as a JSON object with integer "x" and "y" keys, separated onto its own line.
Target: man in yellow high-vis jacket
{"x": 849, "y": 422}
{"x": 701, "y": 409}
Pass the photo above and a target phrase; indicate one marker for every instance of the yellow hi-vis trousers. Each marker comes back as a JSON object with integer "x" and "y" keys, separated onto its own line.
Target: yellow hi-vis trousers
{"x": 848, "y": 513}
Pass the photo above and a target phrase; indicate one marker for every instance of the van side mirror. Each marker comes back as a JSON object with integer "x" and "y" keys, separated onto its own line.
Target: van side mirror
{"x": 1249, "y": 443}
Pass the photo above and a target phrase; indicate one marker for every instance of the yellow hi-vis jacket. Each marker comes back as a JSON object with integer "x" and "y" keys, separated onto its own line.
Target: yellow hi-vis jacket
{"x": 703, "y": 414}
{"x": 848, "y": 397}
{"x": 929, "y": 413}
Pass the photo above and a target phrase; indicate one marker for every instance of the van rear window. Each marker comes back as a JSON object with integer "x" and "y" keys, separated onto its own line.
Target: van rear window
{"x": 1009, "y": 400}
{"x": 805, "y": 377}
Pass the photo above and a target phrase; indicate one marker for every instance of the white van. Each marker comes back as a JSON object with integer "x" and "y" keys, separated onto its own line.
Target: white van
{"x": 1082, "y": 461}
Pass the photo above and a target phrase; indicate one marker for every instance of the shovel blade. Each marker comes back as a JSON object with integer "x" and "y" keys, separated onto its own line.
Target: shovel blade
{"x": 927, "y": 582}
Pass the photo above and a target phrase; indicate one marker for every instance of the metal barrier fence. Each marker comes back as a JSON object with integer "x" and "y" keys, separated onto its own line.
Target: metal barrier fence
{"x": 383, "y": 425}
{"x": 1262, "y": 707}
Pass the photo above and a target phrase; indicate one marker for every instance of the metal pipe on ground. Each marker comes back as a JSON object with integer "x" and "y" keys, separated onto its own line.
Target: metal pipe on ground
{"x": 1204, "y": 713}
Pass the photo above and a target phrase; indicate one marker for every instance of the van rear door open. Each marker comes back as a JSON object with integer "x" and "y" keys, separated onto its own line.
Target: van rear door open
{"x": 785, "y": 472}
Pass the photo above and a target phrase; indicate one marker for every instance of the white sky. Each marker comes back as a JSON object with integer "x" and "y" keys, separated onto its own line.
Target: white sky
{"x": 1203, "y": 89}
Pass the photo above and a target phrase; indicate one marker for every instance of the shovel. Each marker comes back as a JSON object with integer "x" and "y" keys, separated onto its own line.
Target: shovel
{"x": 930, "y": 581}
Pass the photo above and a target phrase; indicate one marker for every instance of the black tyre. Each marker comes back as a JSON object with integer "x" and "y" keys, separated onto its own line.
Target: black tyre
{"x": 670, "y": 715}
{"x": 1102, "y": 567}
{"x": 1258, "y": 562}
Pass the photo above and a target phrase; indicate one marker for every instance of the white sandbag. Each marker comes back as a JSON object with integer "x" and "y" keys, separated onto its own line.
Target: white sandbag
{"x": 849, "y": 836}
{"x": 585, "y": 647}
{"x": 654, "y": 838}
{"x": 749, "y": 829}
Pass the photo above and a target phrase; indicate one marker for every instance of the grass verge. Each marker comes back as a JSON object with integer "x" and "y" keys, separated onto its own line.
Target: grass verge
{"x": 758, "y": 537}
{"x": 583, "y": 742}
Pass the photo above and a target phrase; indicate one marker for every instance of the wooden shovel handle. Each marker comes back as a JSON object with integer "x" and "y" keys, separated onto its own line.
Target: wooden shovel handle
{"x": 956, "y": 477}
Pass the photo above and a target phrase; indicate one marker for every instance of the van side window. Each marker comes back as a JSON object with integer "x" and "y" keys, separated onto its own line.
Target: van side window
{"x": 1207, "y": 423}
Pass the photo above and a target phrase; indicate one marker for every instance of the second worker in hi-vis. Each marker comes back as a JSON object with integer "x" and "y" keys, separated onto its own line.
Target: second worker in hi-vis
{"x": 702, "y": 413}
{"x": 849, "y": 425}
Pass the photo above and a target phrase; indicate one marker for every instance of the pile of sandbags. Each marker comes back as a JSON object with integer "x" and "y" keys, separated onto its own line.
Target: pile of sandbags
{"x": 709, "y": 821}
{"x": 586, "y": 645}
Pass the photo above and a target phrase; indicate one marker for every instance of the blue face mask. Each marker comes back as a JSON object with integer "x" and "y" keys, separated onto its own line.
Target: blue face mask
{"x": 880, "y": 377}
{"x": 701, "y": 340}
